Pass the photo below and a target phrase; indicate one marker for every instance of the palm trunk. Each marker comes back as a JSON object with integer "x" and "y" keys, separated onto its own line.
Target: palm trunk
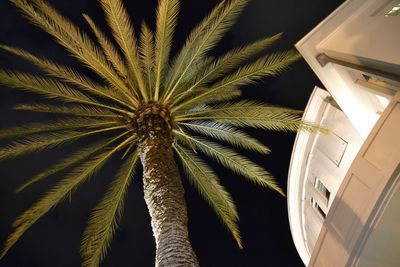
{"x": 164, "y": 196}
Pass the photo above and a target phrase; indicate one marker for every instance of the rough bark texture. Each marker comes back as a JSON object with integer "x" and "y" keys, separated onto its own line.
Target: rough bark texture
{"x": 164, "y": 196}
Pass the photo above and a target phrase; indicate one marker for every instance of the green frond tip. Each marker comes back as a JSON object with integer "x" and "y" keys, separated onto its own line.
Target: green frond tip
{"x": 76, "y": 110}
{"x": 231, "y": 160}
{"x": 166, "y": 22}
{"x": 203, "y": 38}
{"x": 146, "y": 54}
{"x": 58, "y": 193}
{"x": 41, "y": 142}
{"x": 231, "y": 61}
{"x": 206, "y": 182}
{"x": 48, "y": 87}
{"x": 64, "y": 124}
{"x": 108, "y": 48}
{"x": 203, "y": 97}
{"x": 237, "y": 107}
{"x": 68, "y": 75}
{"x": 52, "y": 198}
{"x": 123, "y": 32}
{"x": 69, "y": 161}
{"x": 237, "y": 57}
{"x": 269, "y": 66}
{"x": 72, "y": 38}
{"x": 104, "y": 219}
{"x": 314, "y": 128}
{"x": 253, "y": 114}
{"x": 228, "y": 134}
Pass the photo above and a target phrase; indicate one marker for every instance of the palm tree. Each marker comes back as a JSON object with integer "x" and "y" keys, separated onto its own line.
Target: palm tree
{"x": 147, "y": 109}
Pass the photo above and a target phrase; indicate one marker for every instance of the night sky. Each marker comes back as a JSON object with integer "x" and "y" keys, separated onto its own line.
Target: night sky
{"x": 54, "y": 240}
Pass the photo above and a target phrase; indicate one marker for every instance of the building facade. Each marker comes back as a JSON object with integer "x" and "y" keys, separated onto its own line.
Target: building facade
{"x": 343, "y": 188}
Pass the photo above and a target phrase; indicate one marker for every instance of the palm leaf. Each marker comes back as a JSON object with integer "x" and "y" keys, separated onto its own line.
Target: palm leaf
{"x": 42, "y": 142}
{"x": 206, "y": 182}
{"x": 203, "y": 97}
{"x": 204, "y": 37}
{"x": 230, "y": 61}
{"x": 68, "y": 162}
{"x": 77, "y": 110}
{"x": 73, "y": 39}
{"x": 232, "y": 160}
{"x": 56, "y": 195}
{"x": 166, "y": 22}
{"x": 69, "y": 75}
{"x": 257, "y": 115}
{"x": 109, "y": 49}
{"x": 193, "y": 75}
{"x": 146, "y": 54}
{"x": 50, "y": 88}
{"x": 123, "y": 32}
{"x": 228, "y": 134}
{"x": 80, "y": 45}
{"x": 237, "y": 57}
{"x": 238, "y": 107}
{"x": 105, "y": 216}
{"x": 271, "y": 65}
{"x": 64, "y": 124}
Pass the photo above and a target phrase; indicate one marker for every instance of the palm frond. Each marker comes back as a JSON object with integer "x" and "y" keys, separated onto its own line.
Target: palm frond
{"x": 237, "y": 57}
{"x": 69, "y": 75}
{"x": 104, "y": 219}
{"x": 257, "y": 115}
{"x": 231, "y": 60}
{"x": 232, "y": 160}
{"x": 64, "y": 124}
{"x": 80, "y": 44}
{"x": 207, "y": 183}
{"x": 59, "y": 192}
{"x": 203, "y": 38}
{"x": 50, "y": 88}
{"x": 45, "y": 141}
{"x": 122, "y": 29}
{"x": 69, "y": 161}
{"x": 204, "y": 97}
{"x": 166, "y": 22}
{"x": 109, "y": 49}
{"x": 228, "y": 134}
{"x": 76, "y": 110}
{"x": 197, "y": 71}
{"x": 239, "y": 107}
{"x": 271, "y": 65}
{"x": 146, "y": 54}
{"x": 73, "y": 39}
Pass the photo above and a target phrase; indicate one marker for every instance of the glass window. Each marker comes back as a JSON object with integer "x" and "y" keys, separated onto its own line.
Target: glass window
{"x": 321, "y": 188}
{"x": 315, "y": 205}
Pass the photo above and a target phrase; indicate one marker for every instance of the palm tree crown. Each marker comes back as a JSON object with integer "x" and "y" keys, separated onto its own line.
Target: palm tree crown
{"x": 143, "y": 95}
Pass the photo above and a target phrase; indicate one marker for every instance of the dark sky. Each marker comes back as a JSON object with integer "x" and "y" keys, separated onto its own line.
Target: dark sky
{"x": 54, "y": 240}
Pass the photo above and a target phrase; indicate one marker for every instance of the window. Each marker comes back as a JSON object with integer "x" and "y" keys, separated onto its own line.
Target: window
{"x": 321, "y": 188}
{"x": 315, "y": 205}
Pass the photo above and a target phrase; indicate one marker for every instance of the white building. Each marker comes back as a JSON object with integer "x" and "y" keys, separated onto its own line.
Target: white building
{"x": 343, "y": 188}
